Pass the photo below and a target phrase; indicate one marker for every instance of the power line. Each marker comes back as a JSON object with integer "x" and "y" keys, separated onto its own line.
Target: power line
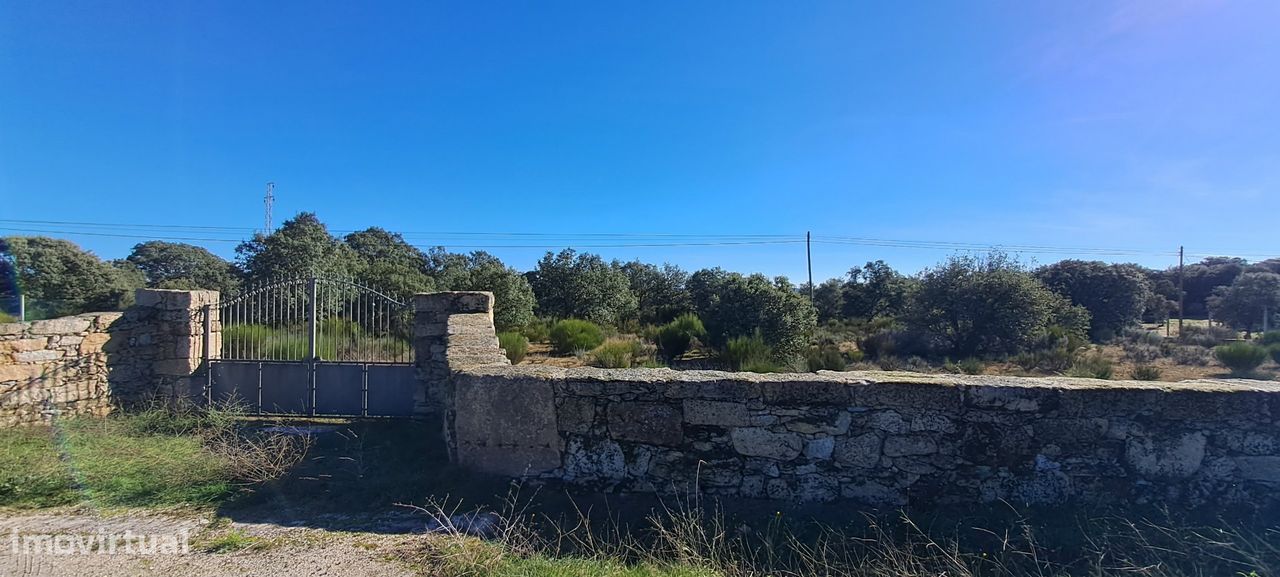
{"x": 550, "y": 240}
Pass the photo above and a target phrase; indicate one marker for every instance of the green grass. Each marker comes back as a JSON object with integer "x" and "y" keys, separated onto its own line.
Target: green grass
{"x": 31, "y": 474}
{"x": 231, "y": 541}
{"x": 109, "y": 462}
{"x": 465, "y": 556}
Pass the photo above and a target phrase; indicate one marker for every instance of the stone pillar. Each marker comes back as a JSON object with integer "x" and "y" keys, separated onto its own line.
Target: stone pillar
{"x": 167, "y": 342}
{"x": 452, "y": 330}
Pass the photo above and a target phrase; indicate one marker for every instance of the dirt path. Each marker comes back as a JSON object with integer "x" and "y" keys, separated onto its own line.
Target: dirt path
{"x": 259, "y": 548}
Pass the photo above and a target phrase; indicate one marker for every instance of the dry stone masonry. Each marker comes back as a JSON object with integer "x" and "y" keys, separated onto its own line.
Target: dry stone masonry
{"x": 87, "y": 364}
{"x": 57, "y": 364}
{"x": 880, "y": 438}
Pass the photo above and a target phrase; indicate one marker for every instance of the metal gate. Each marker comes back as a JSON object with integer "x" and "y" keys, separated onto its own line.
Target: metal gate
{"x": 313, "y": 346}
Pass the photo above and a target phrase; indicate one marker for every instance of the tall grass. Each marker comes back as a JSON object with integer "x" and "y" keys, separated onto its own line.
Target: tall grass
{"x": 749, "y": 354}
{"x": 693, "y": 539}
{"x": 514, "y": 345}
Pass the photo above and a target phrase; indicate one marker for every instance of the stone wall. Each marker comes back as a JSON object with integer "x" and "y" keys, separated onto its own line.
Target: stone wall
{"x": 54, "y": 365}
{"x": 452, "y": 330}
{"x": 88, "y": 364}
{"x": 881, "y": 438}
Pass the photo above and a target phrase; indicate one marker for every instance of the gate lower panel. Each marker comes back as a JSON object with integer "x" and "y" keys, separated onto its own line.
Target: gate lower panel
{"x": 300, "y": 388}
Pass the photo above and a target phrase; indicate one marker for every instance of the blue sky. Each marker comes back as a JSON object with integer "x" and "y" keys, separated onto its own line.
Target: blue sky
{"x": 1132, "y": 125}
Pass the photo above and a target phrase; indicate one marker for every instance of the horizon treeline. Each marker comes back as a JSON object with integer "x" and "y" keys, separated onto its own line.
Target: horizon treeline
{"x": 963, "y": 303}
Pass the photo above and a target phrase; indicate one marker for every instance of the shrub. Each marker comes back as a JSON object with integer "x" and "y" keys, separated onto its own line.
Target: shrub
{"x": 1242, "y": 358}
{"x": 730, "y": 305}
{"x": 675, "y": 337}
{"x": 890, "y": 363}
{"x": 1192, "y": 355}
{"x": 747, "y": 353}
{"x": 1275, "y": 353}
{"x": 972, "y": 306}
{"x": 972, "y": 366}
{"x": 1142, "y": 353}
{"x": 537, "y": 331}
{"x": 514, "y": 345}
{"x": 619, "y": 353}
{"x": 1093, "y": 366}
{"x": 1053, "y": 349}
{"x": 570, "y": 335}
{"x": 1206, "y": 336}
{"x": 825, "y": 358}
{"x": 1138, "y": 336}
{"x": 1146, "y": 373}
{"x": 1269, "y": 338}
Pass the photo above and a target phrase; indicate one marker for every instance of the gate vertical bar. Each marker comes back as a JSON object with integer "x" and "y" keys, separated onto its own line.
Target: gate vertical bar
{"x": 312, "y": 325}
{"x": 206, "y": 353}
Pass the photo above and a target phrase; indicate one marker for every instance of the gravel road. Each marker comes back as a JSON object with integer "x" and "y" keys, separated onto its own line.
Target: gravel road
{"x": 275, "y": 550}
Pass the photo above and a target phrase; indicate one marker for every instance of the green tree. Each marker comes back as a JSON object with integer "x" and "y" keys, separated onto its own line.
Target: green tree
{"x": 828, "y": 299}
{"x": 732, "y": 305}
{"x": 1202, "y": 278}
{"x": 584, "y": 286}
{"x": 59, "y": 278}
{"x": 975, "y": 306}
{"x": 481, "y": 271}
{"x": 1244, "y": 303}
{"x": 875, "y": 290}
{"x": 660, "y": 292}
{"x": 175, "y": 265}
{"x": 302, "y": 246}
{"x": 1114, "y": 294}
{"x": 386, "y": 262}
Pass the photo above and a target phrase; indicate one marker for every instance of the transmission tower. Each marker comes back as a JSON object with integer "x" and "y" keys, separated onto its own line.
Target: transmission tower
{"x": 270, "y": 198}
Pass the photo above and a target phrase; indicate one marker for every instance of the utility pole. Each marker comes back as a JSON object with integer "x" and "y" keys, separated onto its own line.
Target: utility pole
{"x": 1182, "y": 293}
{"x": 270, "y": 198}
{"x": 808, "y": 256}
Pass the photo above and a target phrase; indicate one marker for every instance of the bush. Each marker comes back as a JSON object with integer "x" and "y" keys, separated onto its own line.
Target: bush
{"x": 731, "y": 304}
{"x": 570, "y": 335}
{"x": 1192, "y": 355}
{"x": 675, "y": 337}
{"x": 620, "y": 353}
{"x": 1205, "y": 336}
{"x": 972, "y": 306}
{"x": 1053, "y": 349}
{"x": 1275, "y": 353}
{"x": 825, "y": 358}
{"x": 514, "y": 345}
{"x": 1242, "y": 358}
{"x": 972, "y": 366}
{"x": 1138, "y": 336}
{"x": 537, "y": 331}
{"x": 1093, "y": 366}
{"x": 1142, "y": 353}
{"x": 747, "y": 353}
{"x": 1269, "y": 338}
{"x": 1146, "y": 373}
